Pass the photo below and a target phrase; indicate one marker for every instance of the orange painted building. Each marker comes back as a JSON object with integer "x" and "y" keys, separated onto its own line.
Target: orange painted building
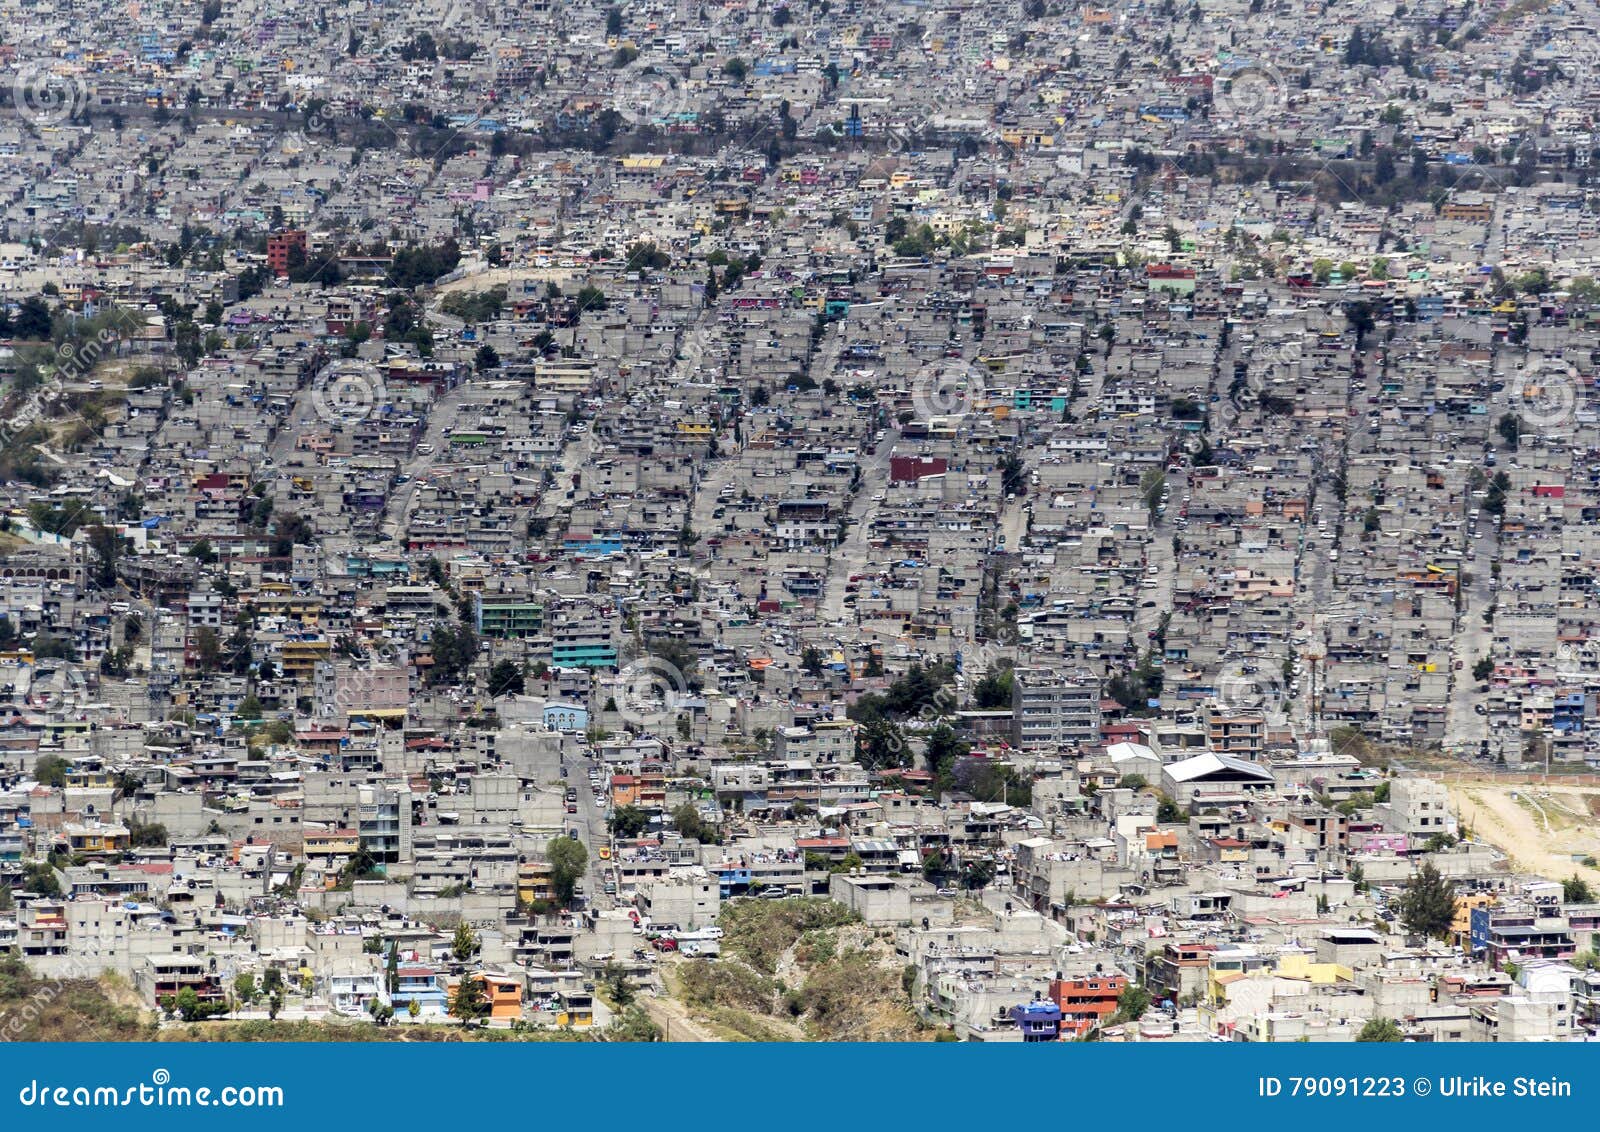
{"x": 1086, "y": 1001}
{"x": 502, "y": 993}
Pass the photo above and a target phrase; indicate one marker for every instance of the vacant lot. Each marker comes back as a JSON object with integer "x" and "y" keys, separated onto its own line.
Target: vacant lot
{"x": 1544, "y": 828}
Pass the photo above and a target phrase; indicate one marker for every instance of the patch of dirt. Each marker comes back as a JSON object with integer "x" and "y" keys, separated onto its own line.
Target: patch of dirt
{"x": 1543, "y": 829}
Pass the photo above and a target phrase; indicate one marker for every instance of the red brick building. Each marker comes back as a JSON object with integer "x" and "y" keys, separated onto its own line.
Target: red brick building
{"x": 279, "y": 245}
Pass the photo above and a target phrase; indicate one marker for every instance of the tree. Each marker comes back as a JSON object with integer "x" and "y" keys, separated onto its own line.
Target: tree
{"x": 1576, "y": 890}
{"x": 106, "y": 543}
{"x": 1132, "y": 1003}
{"x": 465, "y": 944}
{"x": 688, "y": 821}
{"x": 244, "y": 987}
{"x": 568, "y": 859}
{"x": 632, "y": 1025}
{"x": 976, "y": 874}
{"x": 486, "y": 358}
{"x": 391, "y": 970}
{"x": 1483, "y": 669}
{"x": 469, "y": 1002}
{"x": 505, "y": 679}
{"x": 207, "y": 649}
{"x": 1427, "y": 903}
{"x": 944, "y": 746}
{"x": 994, "y": 690}
{"x": 40, "y": 878}
{"x": 188, "y": 1005}
{"x": 51, "y": 770}
{"x": 620, "y": 988}
{"x": 628, "y": 821}
{"x": 1380, "y": 1030}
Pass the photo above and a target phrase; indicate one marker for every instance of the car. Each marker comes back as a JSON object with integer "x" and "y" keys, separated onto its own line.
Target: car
{"x": 599, "y": 803}
{"x": 946, "y": 892}
{"x": 1480, "y": 709}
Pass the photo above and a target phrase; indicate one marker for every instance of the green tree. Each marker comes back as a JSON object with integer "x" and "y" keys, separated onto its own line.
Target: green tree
{"x": 1575, "y": 890}
{"x": 568, "y": 859}
{"x": 244, "y": 987}
{"x": 207, "y": 649}
{"x": 616, "y": 984}
{"x": 976, "y": 874}
{"x": 1427, "y": 903}
{"x": 465, "y": 944}
{"x": 51, "y": 770}
{"x": 469, "y": 1002}
{"x": 391, "y": 970}
{"x": 994, "y": 690}
{"x": 632, "y": 1025}
{"x": 1132, "y": 1003}
{"x": 1380, "y": 1030}
{"x": 506, "y": 679}
{"x": 628, "y": 821}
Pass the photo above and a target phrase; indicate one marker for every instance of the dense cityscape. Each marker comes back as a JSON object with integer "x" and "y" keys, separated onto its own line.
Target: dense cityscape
{"x": 807, "y": 521}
